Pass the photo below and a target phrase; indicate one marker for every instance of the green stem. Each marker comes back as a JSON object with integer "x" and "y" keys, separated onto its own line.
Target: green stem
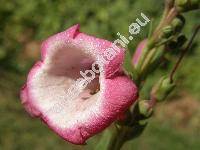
{"x": 112, "y": 139}
{"x": 116, "y": 141}
{"x": 183, "y": 53}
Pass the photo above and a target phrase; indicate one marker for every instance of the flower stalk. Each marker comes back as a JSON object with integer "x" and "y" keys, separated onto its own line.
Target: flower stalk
{"x": 183, "y": 53}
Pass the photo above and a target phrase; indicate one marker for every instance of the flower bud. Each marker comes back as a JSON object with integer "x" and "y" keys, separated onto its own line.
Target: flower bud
{"x": 178, "y": 23}
{"x": 172, "y": 44}
{"x": 178, "y": 42}
{"x": 144, "y": 108}
{"x": 138, "y": 52}
{"x": 162, "y": 89}
{"x": 181, "y": 39}
{"x": 167, "y": 31}
{"x": 181, "y": 2}
{"x": 2, "y": 54}
{"x": 186, "y": 5}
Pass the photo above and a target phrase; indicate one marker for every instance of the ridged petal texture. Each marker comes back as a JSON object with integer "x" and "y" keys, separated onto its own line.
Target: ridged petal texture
{"x": 64, "y": 55}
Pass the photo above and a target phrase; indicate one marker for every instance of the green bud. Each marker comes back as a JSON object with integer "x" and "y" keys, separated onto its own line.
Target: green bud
{"x": 162, "y": 89}
{"x": 181, "y": 39}
{"x": 178, "y": 23}
{"x": 144, "y": 108}
{"x": 172, "y": 44}
{"x": 178, "y": 42}
{"x": 181, "y": 2}
{"x": 167, "y": 31}
{"x": 2, "y": 54}
{"x": 143, "y": 122}
{"x": 187, "y": 5}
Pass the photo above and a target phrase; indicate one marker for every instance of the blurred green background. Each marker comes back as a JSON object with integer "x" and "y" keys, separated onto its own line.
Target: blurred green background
{"x": 25, "y": 23}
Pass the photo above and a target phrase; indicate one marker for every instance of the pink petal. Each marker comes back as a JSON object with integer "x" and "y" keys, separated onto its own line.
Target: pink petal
{"x": 63, "y": 56}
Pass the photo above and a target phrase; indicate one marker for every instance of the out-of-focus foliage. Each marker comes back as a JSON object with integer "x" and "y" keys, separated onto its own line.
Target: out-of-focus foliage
{"x": 24, "y": 24}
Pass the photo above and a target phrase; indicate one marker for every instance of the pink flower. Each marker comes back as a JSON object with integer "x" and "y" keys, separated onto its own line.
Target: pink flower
{"x": 64, "y": 55}
{"x": 138, "y": 52}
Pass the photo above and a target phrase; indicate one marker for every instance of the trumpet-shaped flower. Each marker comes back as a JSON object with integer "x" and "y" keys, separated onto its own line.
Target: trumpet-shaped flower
{"x": 45, "y": 94}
